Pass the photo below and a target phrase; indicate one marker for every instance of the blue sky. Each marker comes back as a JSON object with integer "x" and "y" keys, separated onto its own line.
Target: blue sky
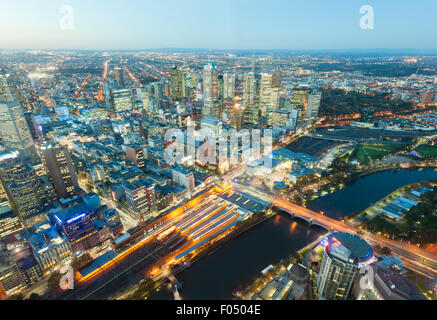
{"x": 218, "y": 24}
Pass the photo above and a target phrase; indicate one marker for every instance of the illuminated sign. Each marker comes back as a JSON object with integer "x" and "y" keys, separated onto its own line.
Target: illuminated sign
{"x": 76, "y": 218}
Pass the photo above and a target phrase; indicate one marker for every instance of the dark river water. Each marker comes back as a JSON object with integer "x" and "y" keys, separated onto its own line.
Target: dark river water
{"x": 241, "y": 259}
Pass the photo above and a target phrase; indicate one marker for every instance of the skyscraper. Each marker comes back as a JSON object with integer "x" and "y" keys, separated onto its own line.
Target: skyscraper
{"x": 342, "y": 256}
{"x": 299, "y": 102}
{"x": 210, "y": 91}
{"x": 177, "y": 84}
{"x": 251, "y": 108}
{"x": 23, "y": 187}
{"x": 119, "y": 76}
{"x": 267, "y": 98}
{"x": 14, "y": 132}
{"x": 121, "y": 100}
{"x": 276, "y": 79}
{"x": 313, "y": 105}
{"x": 228, "y": 85}
{"x": 60, "y": 168}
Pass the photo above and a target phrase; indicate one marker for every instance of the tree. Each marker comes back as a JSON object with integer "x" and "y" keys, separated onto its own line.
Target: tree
{"x": 53, "y": 281}
{"x": 144, "y": 289}
{"x": 385, "y": 251}
{"x": 35, "y": 296}
{"x": 81, "y": 261}
{"x": 17, "y": 296}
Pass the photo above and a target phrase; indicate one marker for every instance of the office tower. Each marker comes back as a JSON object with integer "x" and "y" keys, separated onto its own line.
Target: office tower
{"x": 210, "y": 91}
{"x": 313, "y": 105}
{"x": 135, "y": 154}
{"x": 228, "y": 85}
{"x": 14, "y": 131}
{"x": 281, "y": 117}
{"x": 177, "y": 84}
{"x": 211, "y": 127}
{"x": 299, "y": 102}
{"x": 141, "y": 200}
{"x": 23, "y": 187}
{"x": 57, "y": 160}
{"x": 342, "y": 256}
{"x": 50, "y": 249}
{"x": 11, "y": 278}
{"x": 293, "y": 119}
{"x": 250, "y": 106}
{"x": 121, "y": 100}
{"x": 77, "y": 223}
{"x": 146, "y": 97}
{"x": 267, "y": 98}
{"x": 276, "y": 79}
{"x": 119, "y": 78}
{"x": 9, "y": 221}
{"x": 31, "y": 124}
{"x": 183, "y": 177}
{"x": 157, "y": 90}
{"x": 275, "y": 98}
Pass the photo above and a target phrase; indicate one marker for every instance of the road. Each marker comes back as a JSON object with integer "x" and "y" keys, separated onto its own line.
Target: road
{"x": 417, "y": 258}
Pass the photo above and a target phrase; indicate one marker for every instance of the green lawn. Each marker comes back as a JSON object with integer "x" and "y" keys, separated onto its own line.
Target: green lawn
{"x": 364, "y": 153}
{"x": 427, "y": 150}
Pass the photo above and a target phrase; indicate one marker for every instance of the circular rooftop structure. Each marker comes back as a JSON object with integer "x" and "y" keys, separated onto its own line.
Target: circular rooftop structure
{"x": 360, "y": 250}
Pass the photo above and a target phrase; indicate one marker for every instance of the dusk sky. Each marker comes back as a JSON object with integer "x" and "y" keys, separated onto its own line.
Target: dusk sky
{"x": 224, "y": 24}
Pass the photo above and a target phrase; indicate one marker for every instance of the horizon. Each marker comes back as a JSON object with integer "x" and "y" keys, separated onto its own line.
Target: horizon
{"x": 228, "y": 25}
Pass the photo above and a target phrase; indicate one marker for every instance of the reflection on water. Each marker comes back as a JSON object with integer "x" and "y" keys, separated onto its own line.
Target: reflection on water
{"x": 367, "y": 190}
{"x": 239, "y": 262}
{"x": 293, "y": 227}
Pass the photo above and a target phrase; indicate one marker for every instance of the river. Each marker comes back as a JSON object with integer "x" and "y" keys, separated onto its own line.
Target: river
{"x": 240, "y": 260}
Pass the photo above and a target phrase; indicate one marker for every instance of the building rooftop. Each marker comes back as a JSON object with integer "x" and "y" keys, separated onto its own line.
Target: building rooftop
{"x": 347, "y": 246}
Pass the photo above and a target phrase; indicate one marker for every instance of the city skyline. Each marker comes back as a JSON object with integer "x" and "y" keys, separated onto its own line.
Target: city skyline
{"x": 218, "y": 150}
{"x": 228, "y": 25}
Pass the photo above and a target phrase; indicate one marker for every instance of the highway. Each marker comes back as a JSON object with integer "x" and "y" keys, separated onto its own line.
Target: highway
{"x": 417, "y": 258}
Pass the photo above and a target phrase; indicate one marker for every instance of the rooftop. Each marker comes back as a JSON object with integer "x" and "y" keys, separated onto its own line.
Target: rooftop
{"x": 348, "y": 246}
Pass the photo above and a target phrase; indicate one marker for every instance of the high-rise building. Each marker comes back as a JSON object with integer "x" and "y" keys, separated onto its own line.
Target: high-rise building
{"x": 23, "y": 187}
{"x": 299, "y": 102}
{"x": 210, "y": 91}
{"x": 50, "y": 249}
{"x": 140, "y": 196}
{"x": 9, "y": 221}
{"x": 250, "y": 103}
{"x": 343, "y": 254}
{"x": 269, "y": 98}
{"x": 313, "y": 105}
{"x": 211, "y": 127}
{"x": 228, "y": 85}
{"x": 276, "y": 79}
{"x": 57, "y": 160}
{"x": 14, "y": 131}
{"x": 77, "y": 223}
{"x": 119, "y": 78}
{"x": 177, "y": 84}
{"x": 121, "y": 100}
